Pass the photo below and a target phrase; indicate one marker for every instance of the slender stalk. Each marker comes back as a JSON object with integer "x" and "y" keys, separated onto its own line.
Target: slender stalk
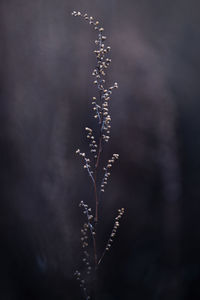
{"x": 101, "y": 113}
{"x": 102, "y": 256}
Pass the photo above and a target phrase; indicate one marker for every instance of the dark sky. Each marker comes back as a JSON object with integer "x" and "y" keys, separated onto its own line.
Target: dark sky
{"x": 46, "y": 61}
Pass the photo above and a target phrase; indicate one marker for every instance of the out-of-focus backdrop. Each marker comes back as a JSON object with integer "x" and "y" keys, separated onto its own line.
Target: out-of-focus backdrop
{"x": 46, "y": 60}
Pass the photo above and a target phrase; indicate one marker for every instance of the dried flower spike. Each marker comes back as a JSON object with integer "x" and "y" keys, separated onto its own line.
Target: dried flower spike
{"x": 91, "y": 162}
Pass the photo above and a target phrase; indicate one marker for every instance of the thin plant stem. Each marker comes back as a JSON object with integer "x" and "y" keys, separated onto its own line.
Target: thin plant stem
{"x": 101, "y": 114}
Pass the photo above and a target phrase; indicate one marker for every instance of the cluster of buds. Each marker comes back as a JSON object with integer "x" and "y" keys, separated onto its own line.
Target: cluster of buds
{"x": 106, "y": 119}
{"x": 87, "y": 262}
{"x": 113, "y": 233}
{"x": 100, "y": 107}
{"x": 84, "y": 231}
{"x": 95, "y": 25}
{"x": 115, "y": 156}
{"x": 89, "y": 19}
{"x": 86, "y": 211}
{"x": 92, "y": 144}
{"x": 77, "y": 274}
{"x": 82, "y": 284}
{"x": 116, "y": 225}
{"x": 86, "y": 163}
{"x": 84, "y": 238}
{"x": 96, "y": 109}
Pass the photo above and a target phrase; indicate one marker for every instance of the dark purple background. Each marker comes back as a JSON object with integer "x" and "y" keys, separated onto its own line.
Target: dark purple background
{"x": 46, "y": 62}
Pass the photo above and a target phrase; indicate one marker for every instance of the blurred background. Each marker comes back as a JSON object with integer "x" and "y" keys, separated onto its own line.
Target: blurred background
{"x": 46, "y": 61}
